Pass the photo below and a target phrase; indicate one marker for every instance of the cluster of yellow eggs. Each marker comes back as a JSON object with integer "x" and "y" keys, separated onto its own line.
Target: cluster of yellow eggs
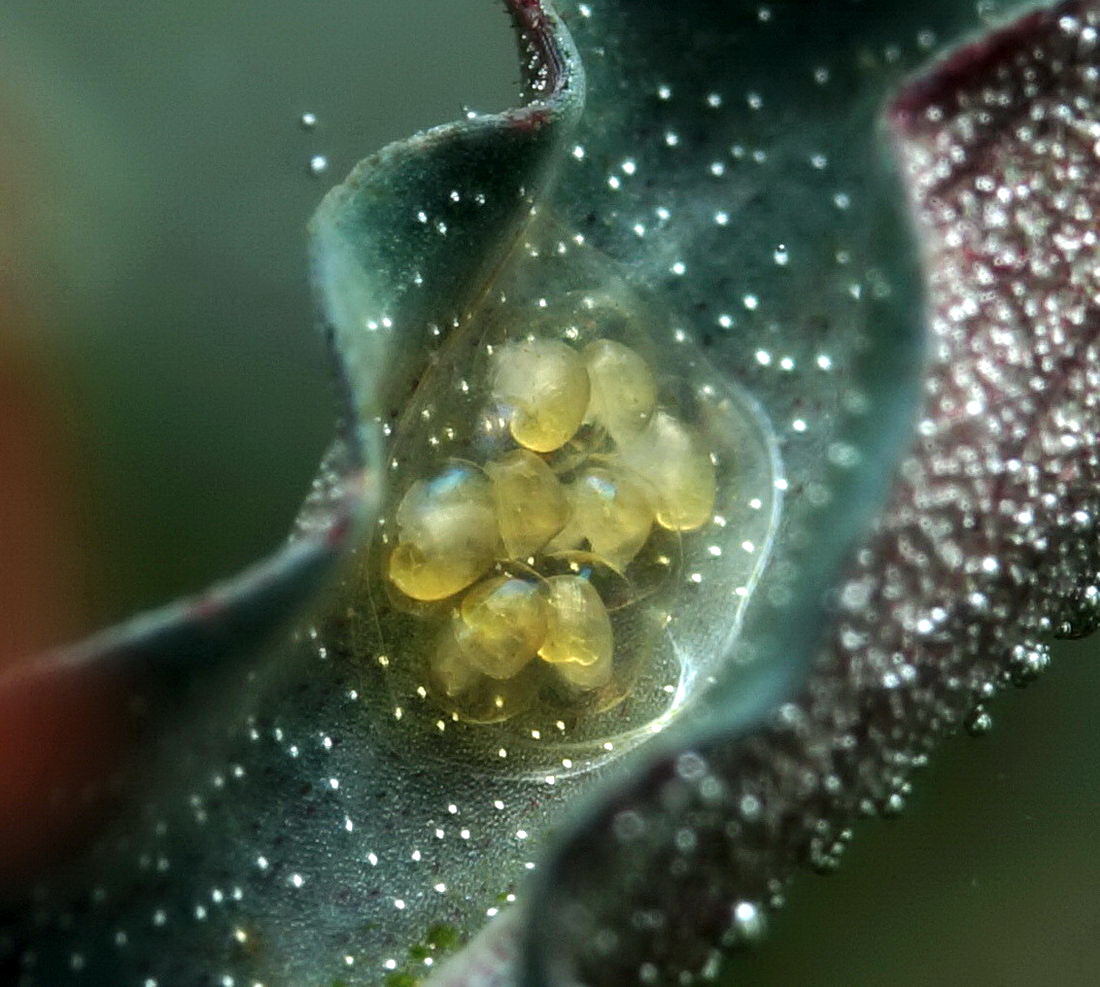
{"x": 508, "y": 548}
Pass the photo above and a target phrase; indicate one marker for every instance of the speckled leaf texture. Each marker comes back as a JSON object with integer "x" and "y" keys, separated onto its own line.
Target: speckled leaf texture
{"x": 895, "y": 257}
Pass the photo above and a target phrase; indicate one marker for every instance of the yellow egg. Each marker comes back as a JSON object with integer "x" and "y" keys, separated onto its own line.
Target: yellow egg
{"x": 612, "y": 510}
{"x": 623, "y": 390}
{"x": 447, "y": 534}
{"x": 531, "y": 505}
{"x": 449, "y": 672}
{"x": 543, "y": 387}
{"x": 471, "y": 696}
{"x": 674, "y": 462}
{"x": 503, "y": 623}
{"x": 579, "y": 641}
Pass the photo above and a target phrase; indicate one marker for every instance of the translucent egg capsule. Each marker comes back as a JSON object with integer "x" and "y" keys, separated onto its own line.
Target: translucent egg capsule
{"x": 677, "y": 466}
{"x": 623, "y": 388}
{"x": 530, "y": 503}
{"x": 542, "y": 386}
{"x": 579, "y": 639}
{"x": 447, "y": 534}
{"x": 612, "y": 512}
{"x": 503, "y": 624}
{"x": 576, "y": 509}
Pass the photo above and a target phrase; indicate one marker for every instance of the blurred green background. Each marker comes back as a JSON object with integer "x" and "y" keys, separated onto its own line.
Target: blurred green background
{"x": 154, "y": 187}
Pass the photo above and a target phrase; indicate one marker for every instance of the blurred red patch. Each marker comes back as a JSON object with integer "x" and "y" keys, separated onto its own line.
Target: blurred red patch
{"x": 57, "y": 739}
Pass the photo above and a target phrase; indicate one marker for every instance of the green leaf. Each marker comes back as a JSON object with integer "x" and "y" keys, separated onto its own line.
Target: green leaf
{"x": 732, "y": 164}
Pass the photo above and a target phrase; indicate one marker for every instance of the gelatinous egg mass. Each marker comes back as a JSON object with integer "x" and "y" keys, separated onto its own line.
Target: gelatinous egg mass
{"x": 577, "y": 508}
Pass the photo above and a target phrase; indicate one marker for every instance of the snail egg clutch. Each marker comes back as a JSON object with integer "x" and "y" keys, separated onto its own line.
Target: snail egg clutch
{"x": 563, "y": 488}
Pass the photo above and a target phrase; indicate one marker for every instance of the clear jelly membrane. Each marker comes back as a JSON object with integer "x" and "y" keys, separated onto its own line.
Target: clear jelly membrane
{"x": 578, "y": 507}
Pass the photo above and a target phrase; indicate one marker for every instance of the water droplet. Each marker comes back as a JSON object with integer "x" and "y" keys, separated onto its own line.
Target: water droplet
{"x": 747, "y": 923}
{"x": 979, "y": 722}
{"x": 1027, "y": 662}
